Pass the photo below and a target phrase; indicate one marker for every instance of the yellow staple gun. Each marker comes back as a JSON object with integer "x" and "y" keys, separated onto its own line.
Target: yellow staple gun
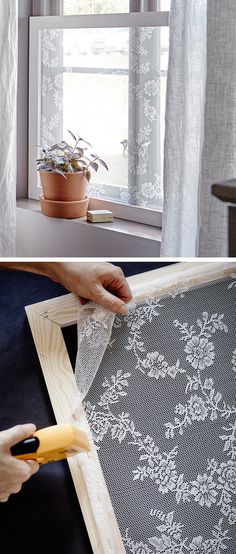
{"x": 52, "y": 444}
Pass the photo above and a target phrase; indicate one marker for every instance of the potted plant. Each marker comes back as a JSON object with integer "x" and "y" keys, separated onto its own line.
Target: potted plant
{"x": 65, "y": 172}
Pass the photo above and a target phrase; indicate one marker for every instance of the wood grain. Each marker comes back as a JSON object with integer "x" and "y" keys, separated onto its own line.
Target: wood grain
{"x": 85, "y": 468}
{"x": 46, "y": 320}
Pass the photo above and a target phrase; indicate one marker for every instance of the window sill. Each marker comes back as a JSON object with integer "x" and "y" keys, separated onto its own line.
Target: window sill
{"x": 38, "y": 235}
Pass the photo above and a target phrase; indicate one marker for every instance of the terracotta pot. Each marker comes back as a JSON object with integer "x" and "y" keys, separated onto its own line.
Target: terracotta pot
{"x": 66, "y": 210}
{"x": 57, "y": 187}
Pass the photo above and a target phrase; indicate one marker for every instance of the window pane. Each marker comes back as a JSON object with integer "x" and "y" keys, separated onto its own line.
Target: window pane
{"x": 98, "y": 108}
{"x": 76, "y": 7}
{"x": 102, "y": 119}
{"x": 108, "y": 85}
{"x": 165, "y": 5}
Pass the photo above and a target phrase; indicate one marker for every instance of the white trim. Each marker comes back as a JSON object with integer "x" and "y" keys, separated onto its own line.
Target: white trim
{"x": 128, "y": 212}
{"x": 37, "y": 24}
{"x": 147, "y": 19}
{"x": 41, "y": 236}
{"x": 34, "y": 106}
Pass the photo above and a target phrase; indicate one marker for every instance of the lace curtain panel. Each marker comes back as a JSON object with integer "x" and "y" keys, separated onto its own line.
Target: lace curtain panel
{"x": 162, "y": 411}
{"x": 8, "y": 88}
{"x": 137, "y": 76}
{"x": 200, "y": 126}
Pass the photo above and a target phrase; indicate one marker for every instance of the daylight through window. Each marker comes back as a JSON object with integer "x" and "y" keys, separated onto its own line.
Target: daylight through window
{"x": 108, "y": 83}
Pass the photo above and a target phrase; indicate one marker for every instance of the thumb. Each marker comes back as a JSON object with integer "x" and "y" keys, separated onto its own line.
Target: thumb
{"x": 17, "y": 433}
{"x": 110, "y": 302}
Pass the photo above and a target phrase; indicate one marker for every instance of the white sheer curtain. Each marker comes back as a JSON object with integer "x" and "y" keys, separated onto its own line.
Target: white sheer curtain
{"x": 8, "y": 88}
{"x": 200, "y": 126}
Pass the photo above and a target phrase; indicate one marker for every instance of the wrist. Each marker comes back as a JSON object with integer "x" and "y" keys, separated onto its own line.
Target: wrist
{"x": 47, "y": 269}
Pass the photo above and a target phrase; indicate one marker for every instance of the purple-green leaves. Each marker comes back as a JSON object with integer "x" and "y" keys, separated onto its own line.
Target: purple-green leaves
{"x": 63, "y": 158}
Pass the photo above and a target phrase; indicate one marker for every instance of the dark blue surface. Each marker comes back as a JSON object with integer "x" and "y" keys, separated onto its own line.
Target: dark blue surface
{"x": 47, "y": 508}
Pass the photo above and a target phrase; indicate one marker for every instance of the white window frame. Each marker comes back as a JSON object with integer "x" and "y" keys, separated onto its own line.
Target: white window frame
{"x": 37, "y": 24}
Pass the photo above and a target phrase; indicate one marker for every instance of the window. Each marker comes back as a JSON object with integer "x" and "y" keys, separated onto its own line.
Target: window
{"x": 83, "y": 7}
{"x": 103, "y": 76}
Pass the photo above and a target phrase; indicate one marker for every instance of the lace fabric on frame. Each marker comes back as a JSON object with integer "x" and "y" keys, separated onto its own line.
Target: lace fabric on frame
{"x": 94, "y": 327}
{"x": 161, "y": 409}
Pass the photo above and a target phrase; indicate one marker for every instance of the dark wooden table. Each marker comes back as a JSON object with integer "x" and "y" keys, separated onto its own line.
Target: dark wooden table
{"x": 226, "y": 192}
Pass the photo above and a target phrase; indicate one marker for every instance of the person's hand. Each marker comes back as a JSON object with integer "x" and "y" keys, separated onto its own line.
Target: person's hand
{"x": 104, "y": 283}
{"x": 14, "y": 472}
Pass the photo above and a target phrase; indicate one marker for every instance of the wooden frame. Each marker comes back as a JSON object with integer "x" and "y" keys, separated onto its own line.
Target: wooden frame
{"x": 46, "y": 320}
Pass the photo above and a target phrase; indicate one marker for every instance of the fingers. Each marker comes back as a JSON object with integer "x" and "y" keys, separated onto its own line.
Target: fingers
{"x": 109, "y": 301}
{"x": 113, "y": 292}
{"x": 86, "y": 279}
{"x": 20, "y": 472}
{"x": 14, "y": 472}
{"x": 119, "y": 285}
{"x": 16, "y": 434}
{"x": 33, "y": 465}
{"x": 4, "y": 498}
{"x": 13, "y": 489}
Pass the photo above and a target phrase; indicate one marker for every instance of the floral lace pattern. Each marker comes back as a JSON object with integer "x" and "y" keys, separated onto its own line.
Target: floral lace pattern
{"x": 144, "y": 186}
{"x": 51, "y": 86}
{"x": 162, "y": 412}
{"x": 94, "y": 326}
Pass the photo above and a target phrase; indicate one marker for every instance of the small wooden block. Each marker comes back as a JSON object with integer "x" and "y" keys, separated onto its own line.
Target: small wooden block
{"x": 99, "y": 216}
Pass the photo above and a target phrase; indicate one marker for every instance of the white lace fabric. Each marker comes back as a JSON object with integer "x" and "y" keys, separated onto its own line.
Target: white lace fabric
{"x": 160, "y": 404}
{"x": 94, "y": 329}
{"x": 144, "y": 186}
